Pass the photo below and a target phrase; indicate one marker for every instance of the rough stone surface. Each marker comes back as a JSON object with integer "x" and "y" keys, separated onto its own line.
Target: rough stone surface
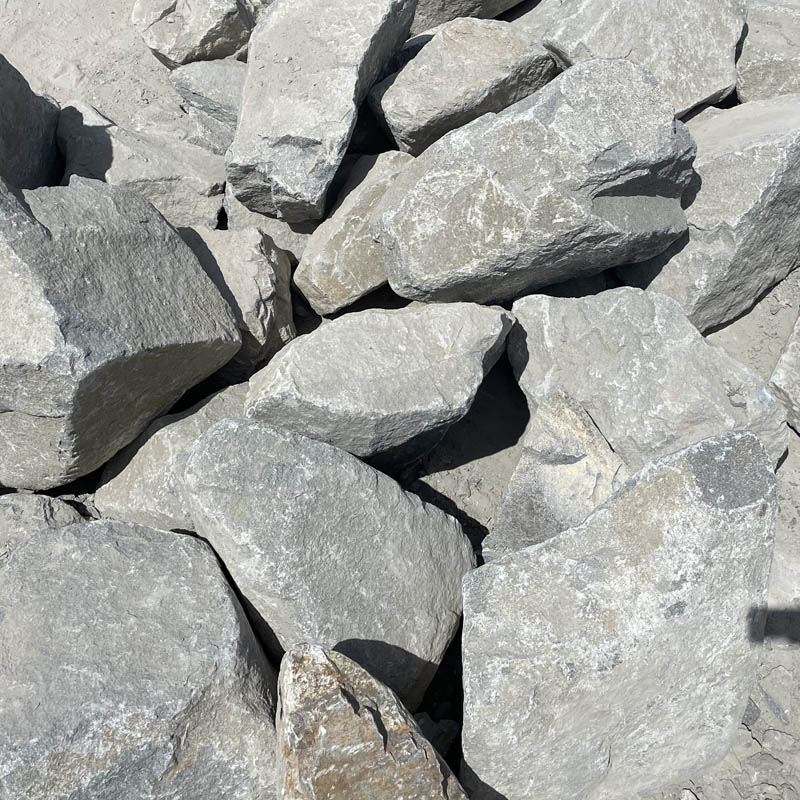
{"x": 571, "y": 645}
{"x": 533, "y": 18}
{"x": 690, "y": 50}
{"x": 469, "y": 67}
{"x": 144, "y": 483}
{"x": 785, "y": 380}
{"x": 106, "y": 318}
{"x": 342, "y": 262}
{"x": 28, "y": 153}
{"x": 642, "y": 372}
{"x": 744, "y": 221}
{"x": 578, "y": 177}
{"x": 341, "y": 733}
{"x": 431, "y": 13}
{"x": 129, "y": 670}
{"x": 382, "y": 384}
{"x": 309, "y": 69}
{"x": 326, "y": 549}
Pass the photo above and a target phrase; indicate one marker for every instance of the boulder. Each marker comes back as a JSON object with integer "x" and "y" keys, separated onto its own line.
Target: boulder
{"x": 106, "y": 318}
{"x": 744, "y": 221}
{"x": 342, "y": 262}
{"x": 639, "y": 368}
{"x": 383, "y": 385}
{"x": 129, "y": 670}
{"x": 309, "y": 69}
{"x": 326, "y": 549}
{"x": 616, "y": 658}
{"x": 570, "y": 181}
{"x": 431, "y": 13}
{"x": 469, "y": 67}
{"x": 341, "y": 733}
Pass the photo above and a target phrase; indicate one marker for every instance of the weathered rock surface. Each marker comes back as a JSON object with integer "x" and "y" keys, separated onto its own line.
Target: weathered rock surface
{"x": 309, "y": 69}
{"x": 383, "y": 385}
{"x": 327, "y": 549}
{"x": 571, "y": 645}
{"x": 576, "y": 178}
{"x": 341, "y": 733}
{"x": 646, "y": 377}
{"x": 106, "y": 319}
{"x": 469, "y": 67}
{"x": 565, "y": 471}
{"x": 434, "y": 12}
{"x": 785, "y": 381}
{"x": 342, "y": 262}
{"x": 183, "y": 181}
{"x": 533, "y": 18}
{"x": 691, "y": 51}
{"x": 144, "y": 483}
{"x": 129, "y": 670}
{"x": 28, "y": 152}
{"x": 744, "y": 222}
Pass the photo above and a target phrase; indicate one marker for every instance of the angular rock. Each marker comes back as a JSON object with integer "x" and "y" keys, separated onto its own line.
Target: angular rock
{"x": 691, "y": 51}
{"x": 342, "y": 262}
{"x": 569, "y": 181}
{"x": 637, "y": 366}
{"x": 785, "y": 380}
{"x": 327, "y": 549}
{"x": 744, "y": 221}
{"x": 129, "y": 670}
{"x": 28, "y": 152}
{"x": 144, "y": 483}
{"x": 616, "y": 658}
{"x": 341, "y": 733}
{"x": 469, "y": 67}
{"x": 431, "y": 13}
{"x": 533, "y": 18}
{"x": 106, "y": 318}
{"x": 309, "y": 69}
{"x": 384, "y": 385}
{"x": 565, "y": 471}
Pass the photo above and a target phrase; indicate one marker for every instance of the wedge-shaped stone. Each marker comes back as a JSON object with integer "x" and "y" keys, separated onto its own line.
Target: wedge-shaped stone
{"x": 129, "y": 670}
{"x": 576, "y": 178}
{"x": 744, "y": 222}
{"x": 431, "y": 13}
{"x": 341, "y": 733}
{"x": 310, "y": 66}
{"x": 785, "y": 381}
{"x": 328, "y": 550}
{"x": 106, "y": 318}
{"x": 639, "y": 368}
{"x": 384, "y": 385}
{"x": 616, "y": 658}
{"x": 469, "y": 67}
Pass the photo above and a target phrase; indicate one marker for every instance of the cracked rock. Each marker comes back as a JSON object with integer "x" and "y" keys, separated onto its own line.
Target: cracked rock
{"x": 431, "y": 13}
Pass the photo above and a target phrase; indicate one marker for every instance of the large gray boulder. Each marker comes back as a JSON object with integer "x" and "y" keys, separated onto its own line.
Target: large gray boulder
{"x": 129, "y": 670}
{"x": 342, "y": 733}
{"x": 431, "y": 13}
{"x": 616, "y": 658}
{"x": 691, "y": 50}
{"x": 328, "y": 550}
{"x": 384, "y": 385}
{"x": 309, "y": 68}
{"x": 106, "y": 318}
{"x": 580, "y": 176}
{"x": 744, "y": 222}
{"x": 643, "y": 373}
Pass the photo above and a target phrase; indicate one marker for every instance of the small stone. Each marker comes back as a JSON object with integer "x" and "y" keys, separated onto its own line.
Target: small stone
{"x": 431, "y": 13}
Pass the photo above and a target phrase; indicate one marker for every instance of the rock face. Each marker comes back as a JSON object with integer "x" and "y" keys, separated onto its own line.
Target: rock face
{"x": 28, "y": 153}
{"x": 469, "y": 67}
{"x": 646, "y": 605}
{"x": 183, "y": 181}
{"x": 309, "y": 69}
{"x": 383, "y": 385}
{"x": 770, "y": 61}
{"x": 554, "y": 187}
{"x": 434, "y": 12}
{"x": 642, "y": 372}
{"x": 341, "y": 733}
{"x": 105, "y": 320}
{"x": 745, "y": 219}
{"x": 342, "y": 262}
{"x": 691, "y": 52}
{"x": 565, "y": 471}
{"x": 785, "y": 381}
{"x": 125, "y": 652}
{"x": 144, "y": 483}
{"x": 328, "y": 550}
